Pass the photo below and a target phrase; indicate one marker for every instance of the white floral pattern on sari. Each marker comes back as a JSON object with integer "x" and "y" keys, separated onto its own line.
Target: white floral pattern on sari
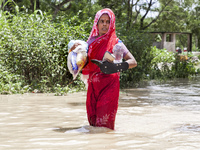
{"x": 103, "y": 121}
{"x": 106, "y": 119}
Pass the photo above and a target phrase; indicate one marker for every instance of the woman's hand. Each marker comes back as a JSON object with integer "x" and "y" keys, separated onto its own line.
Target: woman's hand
{"x": 74, "y": 46}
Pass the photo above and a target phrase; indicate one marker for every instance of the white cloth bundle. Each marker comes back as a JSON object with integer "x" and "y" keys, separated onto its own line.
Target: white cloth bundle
{"x": 77, "y": 58}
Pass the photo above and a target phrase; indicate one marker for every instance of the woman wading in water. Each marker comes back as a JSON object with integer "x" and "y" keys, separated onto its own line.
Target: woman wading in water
{"x": 103, "y": 89}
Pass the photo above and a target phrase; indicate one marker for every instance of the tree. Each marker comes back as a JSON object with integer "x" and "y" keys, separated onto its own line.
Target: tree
{"x": 194, "y": 25}
{"x": 173, "y": 19}
{"x": 137, "y": 11}
{"x": 148, "y": 7}
{"x": 180, "y": 16}
{"x": 61, "y": 6}
{"x": 35, "y": 4}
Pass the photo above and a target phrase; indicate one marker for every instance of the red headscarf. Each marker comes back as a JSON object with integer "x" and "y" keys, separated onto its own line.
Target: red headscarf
{"x": 102, "y": 44}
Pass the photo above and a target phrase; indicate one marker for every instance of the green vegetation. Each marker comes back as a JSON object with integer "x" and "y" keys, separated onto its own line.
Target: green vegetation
{"x": 172, "y": 65}
{"x": 33, "y": 44}
{"x": 35, "y": 49}
{"x": 162, "y": 65}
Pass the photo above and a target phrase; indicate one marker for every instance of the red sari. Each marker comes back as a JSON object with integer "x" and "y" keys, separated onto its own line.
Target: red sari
{"x": 103, "y": 89}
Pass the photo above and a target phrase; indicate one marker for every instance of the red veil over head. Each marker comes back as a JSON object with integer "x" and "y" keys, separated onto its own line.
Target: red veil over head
{"x": 102, "y": 44}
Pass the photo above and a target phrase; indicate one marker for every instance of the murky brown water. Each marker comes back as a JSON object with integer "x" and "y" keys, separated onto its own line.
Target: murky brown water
{"x": 154, "y": 117}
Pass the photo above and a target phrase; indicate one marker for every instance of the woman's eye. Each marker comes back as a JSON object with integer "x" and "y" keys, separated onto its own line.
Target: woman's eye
{"x": 106, "y": 21}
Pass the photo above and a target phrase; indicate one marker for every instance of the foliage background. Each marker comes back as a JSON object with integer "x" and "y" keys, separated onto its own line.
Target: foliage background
{"x": 33, "y": 45}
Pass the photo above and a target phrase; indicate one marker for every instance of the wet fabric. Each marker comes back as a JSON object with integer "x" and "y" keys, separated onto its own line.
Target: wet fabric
{"x": 103, "y": 89}
{"x": 102, "y": 99}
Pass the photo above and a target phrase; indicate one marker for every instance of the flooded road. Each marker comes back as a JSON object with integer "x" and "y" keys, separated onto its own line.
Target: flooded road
{"x": 154, "y": 117}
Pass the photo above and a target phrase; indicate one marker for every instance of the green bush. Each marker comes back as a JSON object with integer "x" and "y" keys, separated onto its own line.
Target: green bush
{"x": 183, "y": 68}
{"x": 34, "y": 47}
{"x": 11, "y": 83}
{"x": 168, "y": 65}
{"x": 157, "y": 64}
{"x": 139, "y": 44}
{"x": 161, "y": 63}
{"x": 33, "y": 51}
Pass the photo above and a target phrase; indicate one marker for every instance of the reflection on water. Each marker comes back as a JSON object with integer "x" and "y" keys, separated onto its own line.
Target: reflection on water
{"x": 155, "y": 116}
{"x": 189, "y": 128}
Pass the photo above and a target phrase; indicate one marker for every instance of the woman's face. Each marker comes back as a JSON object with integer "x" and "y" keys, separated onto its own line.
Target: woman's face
{"x": 103, "y": 24}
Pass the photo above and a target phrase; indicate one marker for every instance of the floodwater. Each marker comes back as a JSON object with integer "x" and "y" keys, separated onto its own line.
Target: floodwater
{"x": 153, "y": 117}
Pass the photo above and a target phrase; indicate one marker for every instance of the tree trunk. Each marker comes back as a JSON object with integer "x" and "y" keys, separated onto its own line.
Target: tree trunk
{"x": 144, "y": 16}
{"x": 33, "y": 5}
{"x": 59, "y": 7}
{"x": 128, "y": 15}
{"x": 142, "y": 27}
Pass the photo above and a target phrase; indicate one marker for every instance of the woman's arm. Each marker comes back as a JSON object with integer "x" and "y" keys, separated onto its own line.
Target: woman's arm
{"x": 130, "y": 60}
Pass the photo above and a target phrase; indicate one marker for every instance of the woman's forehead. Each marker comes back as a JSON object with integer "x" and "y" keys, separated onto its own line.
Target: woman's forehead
{"x": 104, "y": 16}
{"x": 104, "y": 11}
